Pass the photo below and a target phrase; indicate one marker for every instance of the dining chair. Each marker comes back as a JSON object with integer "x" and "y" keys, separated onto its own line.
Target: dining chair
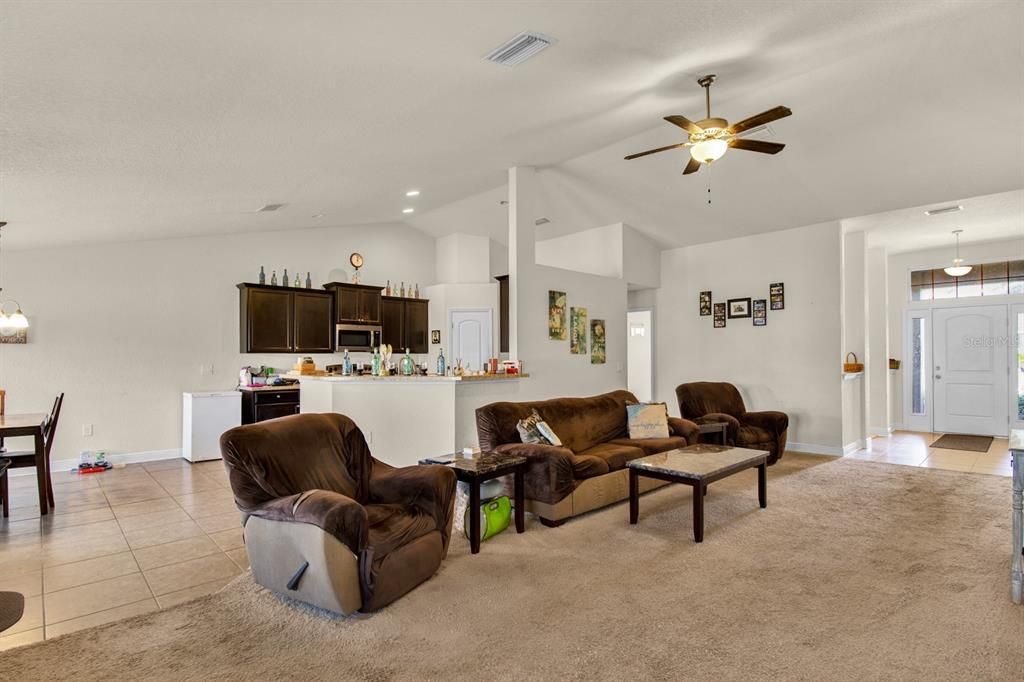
{"x": 27, "y": 458}
{"x": 4, "y": 495}
{"x": 3, "y": 404}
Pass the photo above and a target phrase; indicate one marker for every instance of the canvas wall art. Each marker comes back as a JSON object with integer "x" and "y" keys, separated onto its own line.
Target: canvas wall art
{"x": 578, "y": 331}
{"x": 598, "y": 356}
{"x": 557, "y": 329}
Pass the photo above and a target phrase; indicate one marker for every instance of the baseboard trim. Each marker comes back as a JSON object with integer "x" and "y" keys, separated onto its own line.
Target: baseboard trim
{"x": 114, "y": 458}
{"x": 882, "y": 433}
{"x": 850, "y": 448}
{"x": 812, "y": 449}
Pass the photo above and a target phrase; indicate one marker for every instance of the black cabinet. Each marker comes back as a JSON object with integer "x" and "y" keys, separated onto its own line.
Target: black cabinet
{"x": 285, "y": 319}
{"x": 356, "y": 302}
{"x": 404, "y": 324}
{"x": 503, "y": 312}
{"x": 264, "y": 404}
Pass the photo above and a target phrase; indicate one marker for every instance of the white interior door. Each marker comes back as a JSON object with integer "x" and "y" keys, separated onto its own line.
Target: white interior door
{"x": 970, "y": 370}
{"x": 471, "y": 337}
{"x": 1017, "y": 366}
{"x": 640, "y": 354}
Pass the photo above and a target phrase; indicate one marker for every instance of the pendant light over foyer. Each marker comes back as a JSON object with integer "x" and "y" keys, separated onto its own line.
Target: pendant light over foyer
{"x": 957, "y": 269}
{"x": 10, "y": 323}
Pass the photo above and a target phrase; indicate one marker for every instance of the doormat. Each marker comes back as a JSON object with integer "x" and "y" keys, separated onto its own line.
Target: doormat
{"x": 971, "y": 443}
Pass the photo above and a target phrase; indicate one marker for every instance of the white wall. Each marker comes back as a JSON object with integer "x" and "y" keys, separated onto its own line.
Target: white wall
{"x": 854, "y": 324}
{"x": 463, "y": 258}
{"x": 597, "y": 251}
{"x": 641, "y": 259}
{"x": 878, "y": 352}
{"x": 446, "y": 297}
{"x": 899, "y": 267}
{"x": 123, "y": 328}
{"x": 793, "y": 363}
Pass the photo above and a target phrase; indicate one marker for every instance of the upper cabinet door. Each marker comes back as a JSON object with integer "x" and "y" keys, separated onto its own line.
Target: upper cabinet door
{"x": 313, "y": 322}
{"x": 392, "y": 323}
{"x": 416, "y": 332}
{"x": 369, "y": 305}
{"x": 266, "y": 321}
{"x": 348, "y": 305}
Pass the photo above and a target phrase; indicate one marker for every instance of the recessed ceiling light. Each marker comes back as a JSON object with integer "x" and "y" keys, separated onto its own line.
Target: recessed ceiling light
{"x": 318, "y": 215}
{"x": 412, "y": 193}
{"x": 408, "y": 210}
{"x": 268, "y": 208}
{"x": 944, "y": 209}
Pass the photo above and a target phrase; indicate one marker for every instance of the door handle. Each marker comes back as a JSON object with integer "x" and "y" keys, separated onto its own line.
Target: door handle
{"x": 938, "y": 376}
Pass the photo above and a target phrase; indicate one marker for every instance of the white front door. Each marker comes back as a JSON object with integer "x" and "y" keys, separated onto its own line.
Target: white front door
{"x": 970, "y": 362}
{"x": 640, "y": 354}
{"x": 471, "y": 338}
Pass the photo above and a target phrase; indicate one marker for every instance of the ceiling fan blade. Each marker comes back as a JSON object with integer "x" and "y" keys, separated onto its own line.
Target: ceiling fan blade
{"x": 759, "y": 120}
{"x": 654, "y": 151}
{"x": 692, "y": 167}
{"x": 685, "y": 123}
{"x": 757, "y": 146}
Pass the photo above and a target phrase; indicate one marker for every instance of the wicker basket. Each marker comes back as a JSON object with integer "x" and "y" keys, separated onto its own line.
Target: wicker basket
{"x": 852, "y": 366}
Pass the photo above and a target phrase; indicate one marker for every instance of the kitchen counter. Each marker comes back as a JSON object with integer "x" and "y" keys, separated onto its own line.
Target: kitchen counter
{"x": 253, "y": 389}
{"x": 398, "y": 379}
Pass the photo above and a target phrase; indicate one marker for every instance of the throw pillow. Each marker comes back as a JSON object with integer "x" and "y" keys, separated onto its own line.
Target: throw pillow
{"x": 534, "y": 429}
{"x": 647, "y": 420}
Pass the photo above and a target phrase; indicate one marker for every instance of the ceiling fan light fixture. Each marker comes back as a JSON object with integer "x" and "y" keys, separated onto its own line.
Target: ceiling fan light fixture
{"x": 709, "y": 151}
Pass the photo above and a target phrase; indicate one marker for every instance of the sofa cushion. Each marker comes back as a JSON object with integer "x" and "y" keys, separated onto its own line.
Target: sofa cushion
{"x": 647, "y": 420}
{"x": 615, "y": 455}
{"x": 394, "y": 525}
{"x": 652, "y": 446}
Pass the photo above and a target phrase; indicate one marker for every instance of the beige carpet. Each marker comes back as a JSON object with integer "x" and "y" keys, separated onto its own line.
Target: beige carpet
{"x": 855, "y": 570}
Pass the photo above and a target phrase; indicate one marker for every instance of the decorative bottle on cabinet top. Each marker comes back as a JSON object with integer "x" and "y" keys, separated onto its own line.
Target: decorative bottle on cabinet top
{"x": 284, "y": 280}
{"x": 309, "y": 281}
{"x": 387, "y": 289}
{"x": 263, "y": 276}
{"x": 440, "y": 362}
{"x": 298, "y": 282}
{"x": 273, "y": 278}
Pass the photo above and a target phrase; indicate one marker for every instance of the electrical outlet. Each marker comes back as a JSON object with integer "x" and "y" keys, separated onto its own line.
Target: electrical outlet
{"x": 86, "y": 429}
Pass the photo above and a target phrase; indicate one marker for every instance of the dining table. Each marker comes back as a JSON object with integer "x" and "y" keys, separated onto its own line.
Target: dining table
{"x": 30, "y": 424}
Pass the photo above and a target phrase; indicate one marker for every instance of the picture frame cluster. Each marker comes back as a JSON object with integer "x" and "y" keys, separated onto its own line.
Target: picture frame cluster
{"x": 574, "y": 328}
{"x": 739, "y": 308}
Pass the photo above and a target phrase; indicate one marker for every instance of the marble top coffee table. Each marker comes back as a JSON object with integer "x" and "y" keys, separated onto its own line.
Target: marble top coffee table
{"x": 697, "y": 466}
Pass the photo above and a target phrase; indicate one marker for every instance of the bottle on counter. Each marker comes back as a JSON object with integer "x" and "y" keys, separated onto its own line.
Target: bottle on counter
{"x": 309, "y": 281}
{"x": 376, "y": 362}
{"x": 263, "y": 276}
{"x": 298, "y": 282}
{"x": 387, "y": 289}
{"x": 346, "y": 364}
{"x": 401, "y": 292}
{"x": 285, "y": 282}
{"x": 440, "y": 362}
{"x": 273, "y": 278}
{"x": 407, "y": 364}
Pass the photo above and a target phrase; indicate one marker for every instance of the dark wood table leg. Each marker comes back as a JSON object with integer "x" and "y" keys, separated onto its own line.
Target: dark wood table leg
{"x": 762, "y": 484}
{"x": 698, "y": 512}
{"x": 474, "y": 516}
{"x": 634, "y": 496}
{"x": 520, "y": 501}
{"x": 44, "y": 506}
{"x": 724, "y": 433}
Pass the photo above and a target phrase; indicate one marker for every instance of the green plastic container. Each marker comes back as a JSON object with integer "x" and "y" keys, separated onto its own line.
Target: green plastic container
{"x": 495, "y": 515}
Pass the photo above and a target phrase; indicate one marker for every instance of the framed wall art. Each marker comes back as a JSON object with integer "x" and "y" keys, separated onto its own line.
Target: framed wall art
{"x": 578, "y": 331}
{"x": 719, "y": 309}
{"x": 739, "y": 307}
{"x": 760, "y": 312}
{"x": 777, "y": 296}
{"x": 705, "y": 303}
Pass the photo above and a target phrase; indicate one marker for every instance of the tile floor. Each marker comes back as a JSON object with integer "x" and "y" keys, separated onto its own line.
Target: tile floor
{"x": 912, "y": 449}
{"x": 121, "y": 543}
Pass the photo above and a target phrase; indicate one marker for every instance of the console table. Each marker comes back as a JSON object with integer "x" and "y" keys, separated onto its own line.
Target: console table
{"x": 1016, "y": 560}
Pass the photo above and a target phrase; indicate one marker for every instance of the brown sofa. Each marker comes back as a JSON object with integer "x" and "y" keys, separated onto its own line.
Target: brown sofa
{"x": 708, "y": 401}
{"x": 589, "y": 470}
{"x": 327, "y": 524}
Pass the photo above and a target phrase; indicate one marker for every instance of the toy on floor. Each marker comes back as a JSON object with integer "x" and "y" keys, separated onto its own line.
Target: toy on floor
{"x": 93, "y": 463}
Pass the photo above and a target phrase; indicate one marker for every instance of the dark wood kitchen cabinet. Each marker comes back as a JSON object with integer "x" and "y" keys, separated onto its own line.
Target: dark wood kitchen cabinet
{"x": 356, "y": 302}
{"x": 404, "y": 324}
{"x": 285, "y": 319}
{"x": 503, "y": 312}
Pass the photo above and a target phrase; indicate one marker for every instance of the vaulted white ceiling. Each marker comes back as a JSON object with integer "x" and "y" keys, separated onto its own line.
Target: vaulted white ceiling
{"x": 156, "y": 119}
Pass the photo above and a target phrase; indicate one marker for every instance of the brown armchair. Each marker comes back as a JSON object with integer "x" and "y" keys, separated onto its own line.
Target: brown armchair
{"x": 327, "y": 524}
{"x": 707, "y": 401}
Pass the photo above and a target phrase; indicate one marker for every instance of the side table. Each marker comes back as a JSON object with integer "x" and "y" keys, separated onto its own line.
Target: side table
{"x": 474, "y": 470}
{"x": 721, "y": 428}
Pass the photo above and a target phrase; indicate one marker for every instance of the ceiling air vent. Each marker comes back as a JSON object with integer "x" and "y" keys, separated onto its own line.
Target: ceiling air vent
{"x": 944, "y": 209}
{"x": 520, "y": 48}
{"x": 271, "y": 207}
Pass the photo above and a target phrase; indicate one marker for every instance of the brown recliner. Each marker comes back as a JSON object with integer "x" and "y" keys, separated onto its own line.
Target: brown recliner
{"x": 327, "y": 524}
{"x": 710, "y": 401}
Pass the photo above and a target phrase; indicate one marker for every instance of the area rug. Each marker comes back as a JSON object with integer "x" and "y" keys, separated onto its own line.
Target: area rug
{"x": 970, "y": 443}
{"x": 855, "y": 571}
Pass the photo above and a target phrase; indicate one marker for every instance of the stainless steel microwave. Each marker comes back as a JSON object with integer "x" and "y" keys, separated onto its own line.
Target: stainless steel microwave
{"x": 356, "y": 337}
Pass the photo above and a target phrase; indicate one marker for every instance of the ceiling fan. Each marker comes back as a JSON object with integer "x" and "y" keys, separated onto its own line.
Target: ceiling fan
{"x": 710, "y": 138}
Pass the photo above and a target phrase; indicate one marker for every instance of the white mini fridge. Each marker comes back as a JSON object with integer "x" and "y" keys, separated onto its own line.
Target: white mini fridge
{"x": 204, "y": 416}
